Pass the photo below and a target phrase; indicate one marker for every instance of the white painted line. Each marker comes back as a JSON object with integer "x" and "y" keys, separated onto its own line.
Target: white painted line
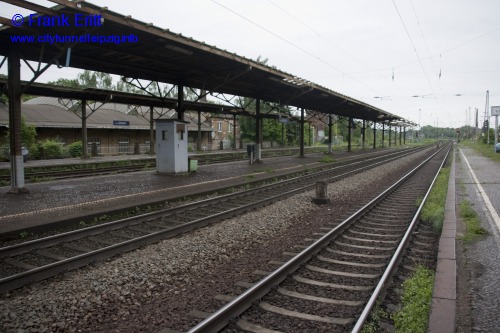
{"x": 485, "y": 197}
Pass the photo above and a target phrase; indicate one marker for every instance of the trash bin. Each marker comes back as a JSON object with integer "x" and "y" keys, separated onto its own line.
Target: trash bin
{"x": 192, "y": 164}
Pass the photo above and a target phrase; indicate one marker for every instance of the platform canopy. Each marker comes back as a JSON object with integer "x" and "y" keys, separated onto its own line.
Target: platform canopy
{"x": 163, "y": 56}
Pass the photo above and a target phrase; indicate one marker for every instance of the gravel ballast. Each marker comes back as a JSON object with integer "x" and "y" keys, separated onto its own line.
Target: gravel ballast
{"x": 155, "y": 287}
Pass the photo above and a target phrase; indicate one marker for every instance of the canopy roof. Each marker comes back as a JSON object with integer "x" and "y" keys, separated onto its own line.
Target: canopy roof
{"x": 164, "y": 56}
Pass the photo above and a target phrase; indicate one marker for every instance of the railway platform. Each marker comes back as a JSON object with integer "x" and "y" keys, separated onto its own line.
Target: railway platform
{"x": 465, "y": 297}
{"x": 62, "y": 201}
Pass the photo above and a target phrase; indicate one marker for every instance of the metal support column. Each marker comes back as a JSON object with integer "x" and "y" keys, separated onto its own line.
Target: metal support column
{"x": 258, "y": 131}
{"x": 383, "y": 135}
{"x": 400, "y": 135}
{"x": 310, "y": 134}
{"x": 301, "y": 143}
{"x": 198, "y": 140}
{"x": 404, "y": 135}
{"x": 330, "y": 150}
{"x": 14, "y": 94}
{"x": 151, "y": 132}
{"x": 349, "y": 129}
{"x": 84, "y": 129}
{"x": 374, "y": 135}
{"x": 363, "y": 135}
{"x": 180, "y": 102}
{"x": 234, "y": 131}
{"x": 390, "y": 138}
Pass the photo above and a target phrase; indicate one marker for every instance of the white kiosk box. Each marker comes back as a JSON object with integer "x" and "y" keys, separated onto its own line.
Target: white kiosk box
{"x": 171, "y": 146}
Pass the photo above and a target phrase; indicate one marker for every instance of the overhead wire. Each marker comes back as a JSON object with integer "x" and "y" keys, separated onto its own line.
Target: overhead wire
{"x": 294, "y": 45}
{"x": 377, "y": 71}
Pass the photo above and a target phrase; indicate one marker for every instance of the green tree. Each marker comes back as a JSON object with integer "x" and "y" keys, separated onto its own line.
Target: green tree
{"x": 70, "y": 83}
{"x": 28, "y": 135}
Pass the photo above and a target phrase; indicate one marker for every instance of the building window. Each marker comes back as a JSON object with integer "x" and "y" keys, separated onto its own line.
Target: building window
{"x": 230, "y": 127}
{"x": 123, "y": 143}
{"x": 219, "y": 126}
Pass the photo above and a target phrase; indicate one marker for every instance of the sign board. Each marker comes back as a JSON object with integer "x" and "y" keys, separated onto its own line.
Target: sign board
{"x": 283, "y": 120}
{"x": 121, "y": 123}
{"x": 495, "y": 111}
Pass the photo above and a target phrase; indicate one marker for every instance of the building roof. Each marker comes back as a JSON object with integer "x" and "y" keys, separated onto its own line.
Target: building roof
{"x": 50, "y": 112}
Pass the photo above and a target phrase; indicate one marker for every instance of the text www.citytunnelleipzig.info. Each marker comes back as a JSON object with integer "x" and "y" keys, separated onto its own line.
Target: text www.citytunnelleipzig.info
{"x": 74, "y": 39}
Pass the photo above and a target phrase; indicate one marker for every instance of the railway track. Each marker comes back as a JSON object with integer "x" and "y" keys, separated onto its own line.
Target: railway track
{"x": 333, "y": 284}
{"x": 84, "y": 170}
{"x": 35, "y": 260}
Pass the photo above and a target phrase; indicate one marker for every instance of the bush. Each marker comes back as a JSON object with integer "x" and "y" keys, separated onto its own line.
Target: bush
{"x": 51, "y": 149}
{"x": 35, "y": 151}
{"x": 75, "y": 149}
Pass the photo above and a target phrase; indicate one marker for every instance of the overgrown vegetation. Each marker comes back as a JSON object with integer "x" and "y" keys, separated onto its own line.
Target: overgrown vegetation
{"x": 327, "y": 159}
{"x": 471, "y": 221}
{"x": 433, "y": 210}
{"x": 416, "y": 302}
{"x": 376, "y": 316}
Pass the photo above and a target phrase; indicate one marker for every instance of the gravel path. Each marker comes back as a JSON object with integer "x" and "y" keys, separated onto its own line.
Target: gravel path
{"x": 155, "y": 287}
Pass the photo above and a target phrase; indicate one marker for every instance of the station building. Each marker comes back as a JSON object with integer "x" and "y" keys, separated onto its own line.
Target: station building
{"x": 114, "y": 128}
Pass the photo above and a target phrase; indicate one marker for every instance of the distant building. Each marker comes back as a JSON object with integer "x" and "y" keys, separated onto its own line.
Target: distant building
{"x": 114, "y": 128}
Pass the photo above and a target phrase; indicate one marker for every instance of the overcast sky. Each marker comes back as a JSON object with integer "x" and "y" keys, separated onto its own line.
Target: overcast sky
{"x": 383, "y": 52}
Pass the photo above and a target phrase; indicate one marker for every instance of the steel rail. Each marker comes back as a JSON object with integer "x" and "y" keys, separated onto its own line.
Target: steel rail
{"x": 24, "y": 247}
{"x": 395, "y": 258}
{"x": 237, "y": 306}
{"x": 43, "y": 272}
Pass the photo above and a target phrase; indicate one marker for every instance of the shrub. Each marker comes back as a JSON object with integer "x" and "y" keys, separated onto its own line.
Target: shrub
{"x": 75, "y": 149}
{"x": 51, "y": 149}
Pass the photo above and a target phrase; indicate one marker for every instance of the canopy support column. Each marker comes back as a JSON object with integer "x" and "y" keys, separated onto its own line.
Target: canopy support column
{"x": 349, "y": 129}
{"x": 301, "y": 143}
{"x": 390, "y": 139}
{"x": 330, "y": 151}
{"x": 198, "y": 140}
{"x": 374, "y": 135}
{"x": 84, "y": 129}
{"x": 234, "y": 131}
{"x": 383, "y": 135}
{"x": 14, "y": 94}
{"x": 151, "y": 132}
{"x": 363, "y": 135}
{"x": 258, "y": 132}
{"x": 180, "y": 102}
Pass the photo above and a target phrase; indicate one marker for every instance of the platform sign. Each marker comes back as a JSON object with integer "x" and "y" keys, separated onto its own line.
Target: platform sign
{"x": 495, "y": 111}
{"x": 283, "y": 120}
{"x": 121, "y": 123}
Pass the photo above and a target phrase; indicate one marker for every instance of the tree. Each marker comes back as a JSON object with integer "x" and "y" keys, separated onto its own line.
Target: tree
{"x": 70, "y": 83}
{"x": 90, "y": 79}
{"x": 28, "y": 134}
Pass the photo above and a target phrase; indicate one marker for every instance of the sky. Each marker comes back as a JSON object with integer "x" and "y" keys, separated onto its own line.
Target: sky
{"x": 428, "y": 61}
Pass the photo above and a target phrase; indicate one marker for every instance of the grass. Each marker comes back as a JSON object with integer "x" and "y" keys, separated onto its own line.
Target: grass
{"x": 416, "y": 302}
{"x": 433, "y": 210}
{"x": 483, "y": 149}
{"x": 327, "y": 159}
{"x": 372, "y": 324}
{"x": 471, "y": 221}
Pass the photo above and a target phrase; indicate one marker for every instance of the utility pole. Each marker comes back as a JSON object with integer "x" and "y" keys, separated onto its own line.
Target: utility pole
{"x": 487, "y": 116}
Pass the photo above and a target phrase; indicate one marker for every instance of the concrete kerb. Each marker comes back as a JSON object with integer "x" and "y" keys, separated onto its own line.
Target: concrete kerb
{"x": 444, "y": 297}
